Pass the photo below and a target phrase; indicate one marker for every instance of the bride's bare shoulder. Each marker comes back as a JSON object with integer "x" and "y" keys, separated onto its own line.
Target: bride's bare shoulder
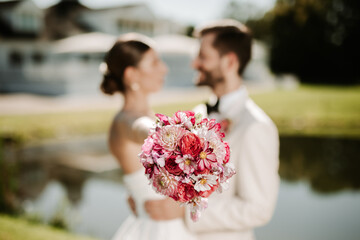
{"x": 123, "y": 120}
{"x": 120, "y": 130}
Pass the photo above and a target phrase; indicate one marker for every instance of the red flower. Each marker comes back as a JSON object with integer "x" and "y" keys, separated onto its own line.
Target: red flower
{"x": 227, "y": 156}
{"x": 172, "y": 167}
{"x": 207, "y": 193}
{"x": 191, "y": 115}
{"x": 225, "y": 125}
{"x": 191, "y": 144}
{"x": 201, "y": 171}
{"x": 150, "y": 170}
{"x": 186, "y": 192}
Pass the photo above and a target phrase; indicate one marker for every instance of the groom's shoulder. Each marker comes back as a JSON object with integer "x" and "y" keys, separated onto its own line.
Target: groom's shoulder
{"x": 256, "y": 113}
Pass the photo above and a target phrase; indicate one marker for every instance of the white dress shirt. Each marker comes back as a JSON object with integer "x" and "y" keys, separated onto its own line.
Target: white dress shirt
{"x": 254, "y": 150}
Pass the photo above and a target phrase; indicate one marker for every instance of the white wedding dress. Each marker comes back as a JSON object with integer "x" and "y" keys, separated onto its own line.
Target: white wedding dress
{"x": 143, "y": 227}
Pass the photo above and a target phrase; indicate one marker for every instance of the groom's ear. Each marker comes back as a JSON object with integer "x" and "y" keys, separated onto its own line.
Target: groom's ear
{"x": 231, "y": 61}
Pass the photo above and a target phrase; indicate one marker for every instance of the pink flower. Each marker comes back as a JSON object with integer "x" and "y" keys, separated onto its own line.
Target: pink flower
{"x": 164, "y": 183}
{"x": 163, "y": 119}
{"x": 189, "y": 113}
{"x": 228, "y": 172}
{"x": 227, "y": 155}
{"x": 206, "y": 158}
{"x": 169, "y": 135}
{"x": 150, "y": 170}
{"x": 159, "y": 155}
{"x": 225, "y": 125}
{"x": 212, "y": 126}
{"x": 216, "y": 127}
{"x": 184, "y": 118}
{"x": 196, "y": 206}
{"x": 191, "y": 116}
{"x": 191, "y": 144}
{"x": 186, "y": 163}
{"x": 147, "y": 146}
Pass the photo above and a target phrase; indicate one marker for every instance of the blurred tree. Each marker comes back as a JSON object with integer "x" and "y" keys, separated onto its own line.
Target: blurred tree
{"x": 242, "y": 10}
{"x": 256, "y": 17}
{"x": 189, "y": 30}
{"x": 318, "y": 40}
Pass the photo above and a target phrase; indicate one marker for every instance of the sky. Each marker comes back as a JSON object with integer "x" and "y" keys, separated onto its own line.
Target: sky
{"x": 185, "y": 11}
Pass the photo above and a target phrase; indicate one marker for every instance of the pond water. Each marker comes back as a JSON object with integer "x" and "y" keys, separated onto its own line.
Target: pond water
{"x": 319, "y": 194}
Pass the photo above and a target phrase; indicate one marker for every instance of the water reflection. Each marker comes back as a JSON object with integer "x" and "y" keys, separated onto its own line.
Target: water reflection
{"x": 328, "y": 164}
{"x": 95, "y": 204}
{"x": 35, "y": 176}
{"x": 99, "y": 213}
{"x": 302, "y": 214}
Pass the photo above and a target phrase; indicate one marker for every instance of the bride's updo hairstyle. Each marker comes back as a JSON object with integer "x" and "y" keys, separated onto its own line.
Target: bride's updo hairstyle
{"x": 127, "y": 51}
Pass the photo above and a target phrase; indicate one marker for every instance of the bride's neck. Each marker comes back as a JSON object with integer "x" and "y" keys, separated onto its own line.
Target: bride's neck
{"x": 137, "y": 103}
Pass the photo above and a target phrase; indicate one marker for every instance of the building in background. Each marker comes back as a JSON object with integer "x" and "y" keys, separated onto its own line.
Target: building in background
{"x": 58, "y": 50}
{"x": 129, "y": 18}
{"x": 23, "y": 52}
{"x": 30, "y": 37}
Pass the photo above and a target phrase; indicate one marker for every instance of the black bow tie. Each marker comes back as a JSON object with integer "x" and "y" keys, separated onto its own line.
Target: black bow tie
{"x": 214, "y": 108}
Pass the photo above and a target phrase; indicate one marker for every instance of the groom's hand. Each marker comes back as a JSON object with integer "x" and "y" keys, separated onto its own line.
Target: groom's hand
{"x": 164, "y": 209}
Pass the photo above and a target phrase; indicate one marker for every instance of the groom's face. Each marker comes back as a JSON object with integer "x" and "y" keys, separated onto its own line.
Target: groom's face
{"x": 207, "y": 63}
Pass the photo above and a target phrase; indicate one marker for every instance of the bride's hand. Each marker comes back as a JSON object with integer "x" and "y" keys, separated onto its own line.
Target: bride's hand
{"x": 165, "y": 209}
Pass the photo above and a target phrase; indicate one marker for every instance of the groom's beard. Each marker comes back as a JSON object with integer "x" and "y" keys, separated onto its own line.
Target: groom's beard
{"x": 209, "y": 78}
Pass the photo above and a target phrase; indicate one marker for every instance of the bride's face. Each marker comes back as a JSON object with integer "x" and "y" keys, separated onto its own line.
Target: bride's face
{"x": 152, "y": 71}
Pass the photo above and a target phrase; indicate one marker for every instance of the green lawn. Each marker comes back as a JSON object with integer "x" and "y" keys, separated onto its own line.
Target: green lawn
{"x": 19, "y": 229}
{"x": 308, "y": 110}
{"x": 314, "y": 110}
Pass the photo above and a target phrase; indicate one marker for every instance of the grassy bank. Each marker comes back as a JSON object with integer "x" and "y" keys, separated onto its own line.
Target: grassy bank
{"x": 314, "y": 110}
{"x": 308, "y": 110}
{"x": 19, "y": 229}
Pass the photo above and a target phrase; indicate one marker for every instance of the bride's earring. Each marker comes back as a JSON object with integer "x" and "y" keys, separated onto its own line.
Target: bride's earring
{"x": 135, "y": 86}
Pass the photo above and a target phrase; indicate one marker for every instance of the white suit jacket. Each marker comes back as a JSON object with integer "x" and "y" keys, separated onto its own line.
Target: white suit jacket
{"x": 254, "y": 150}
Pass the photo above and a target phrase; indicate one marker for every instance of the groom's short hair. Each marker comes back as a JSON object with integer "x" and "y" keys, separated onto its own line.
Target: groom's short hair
{"x": 230, "y": 36}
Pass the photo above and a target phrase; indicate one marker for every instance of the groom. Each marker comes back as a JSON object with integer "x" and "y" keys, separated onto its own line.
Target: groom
{"x": 250, "y": 200}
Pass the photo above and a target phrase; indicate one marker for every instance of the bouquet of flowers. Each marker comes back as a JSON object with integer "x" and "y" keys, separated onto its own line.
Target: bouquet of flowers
{"x": 185, "y": 158}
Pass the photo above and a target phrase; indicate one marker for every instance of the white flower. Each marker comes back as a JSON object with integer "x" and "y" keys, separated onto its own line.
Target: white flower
{"x": 186, "y": 163}
{"x": 196, "y": 207}
{"x": 223, "y": 186}
{"x": 228, "y": 172}
{"x": 168, "y": 136}
{"x": 160, "y": 161}
{"x": 182, "y": 119}
{"x": 218, "y": 148}
{"x": 204, "y": 182}
{"x": 201, "y": 132}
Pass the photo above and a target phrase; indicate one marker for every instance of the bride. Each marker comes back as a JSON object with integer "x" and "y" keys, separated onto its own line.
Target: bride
{"x": 133, "y": 68}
